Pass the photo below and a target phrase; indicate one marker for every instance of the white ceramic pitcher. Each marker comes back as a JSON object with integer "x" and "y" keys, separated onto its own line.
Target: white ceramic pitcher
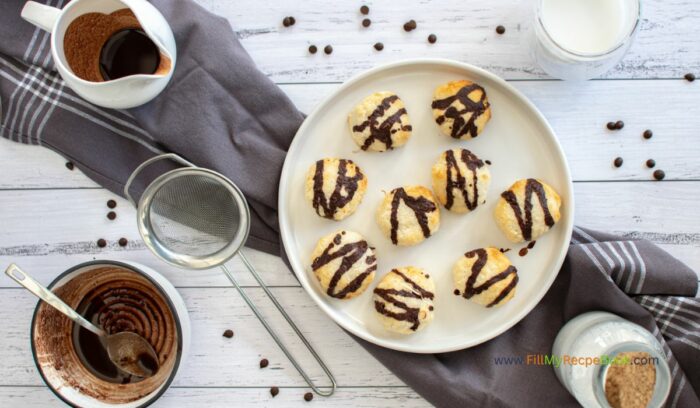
{"x": 121, "y": 93}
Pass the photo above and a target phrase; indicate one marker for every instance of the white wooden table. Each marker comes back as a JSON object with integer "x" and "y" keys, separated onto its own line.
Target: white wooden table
{"x": 50, "y": 217}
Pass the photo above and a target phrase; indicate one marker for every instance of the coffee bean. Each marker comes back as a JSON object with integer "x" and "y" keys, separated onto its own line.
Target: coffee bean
{"x": 456, "y": 292}
{"x": 610, "y": 125}
{"x": 123, "y": 242}
{"x": 522, "y": 252}
{"x": 432, "y": 38}
{"x": 70, "y": 165}
{"x": 659, "y": 174}
{"x": 274, "y": 391}
{"x": 487, "y": 162}
{"x": 328, "y": 49}
{"x": 500, "y": 29}
{"x": 101, "y": 243}
{"x": 111, "y": 215}
{"x": 308, "y": 396}
{"x": 287, "y": 22}
{"x": 378, "y": 46}
{"x": 366, "y": 22}
{"x": 651, "y": 163}
{"x": 690, "y": 77}
{"x": 619, "y": 124}
{"x": 531, "y": 244}
{"x": 313, "y": 49}
{"x": 618, "y": 162}
{"x": 264, "y": 363}
{"x": 648, "y": 134}
{"x": 431, "y": 308}
{"x": 410, "y": 25}
{"x": 364, "y": 10}
{"x": 111, "y": 204}
{"x": 228, "y": 333}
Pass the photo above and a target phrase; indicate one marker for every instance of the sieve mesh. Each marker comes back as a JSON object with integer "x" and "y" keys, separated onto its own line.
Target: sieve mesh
{"x": 194, "y": 215}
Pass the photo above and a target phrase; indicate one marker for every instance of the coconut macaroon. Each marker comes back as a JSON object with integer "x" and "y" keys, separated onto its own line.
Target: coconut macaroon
{"x": 460, "y": 180}
{"x": 485, "y": 276}
{"x": 344, "y": 264}
{"x": 528, "y": 209}
{"x": 408, "y": 215}
{"x": 380, "y": 122}
{"x": 335, "y": 187}
{"x": 461, "y": 109}
{"x": 403, "y": 300}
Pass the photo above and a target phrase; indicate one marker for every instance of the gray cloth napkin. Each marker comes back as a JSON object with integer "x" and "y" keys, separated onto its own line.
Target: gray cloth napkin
{"x": 220, "y": 112}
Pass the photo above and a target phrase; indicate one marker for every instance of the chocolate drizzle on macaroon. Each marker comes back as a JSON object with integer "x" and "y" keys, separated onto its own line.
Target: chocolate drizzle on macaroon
{"x": 382, "y": 131}
{"x": 345, "y": 188}
{"x": 471, "y": 289}
{"x": 420, "y": 205}
{"x": 351, "y": 253}
{"x": 391, "y": 296}
{"x": 524, "y": 216}
{"x": 459, "y": 180}
{"x": 460, "y": 126}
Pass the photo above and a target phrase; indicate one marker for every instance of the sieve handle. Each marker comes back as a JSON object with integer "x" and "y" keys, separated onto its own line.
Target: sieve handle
{"x": 289, "y": 320}
{"x": 139, "y": 169}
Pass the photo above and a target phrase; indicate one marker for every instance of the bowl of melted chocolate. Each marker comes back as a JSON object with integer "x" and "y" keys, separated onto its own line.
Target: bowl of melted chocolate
{"x": 118, "y": 297}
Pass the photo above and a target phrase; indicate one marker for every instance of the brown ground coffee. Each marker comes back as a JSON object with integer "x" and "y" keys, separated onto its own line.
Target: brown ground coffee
{"x": 86, "y": 36}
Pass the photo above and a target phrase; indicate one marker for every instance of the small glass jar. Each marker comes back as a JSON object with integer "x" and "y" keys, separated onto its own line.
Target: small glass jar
{"x": 562, "y": 61}
{"x": 605, "y": 335}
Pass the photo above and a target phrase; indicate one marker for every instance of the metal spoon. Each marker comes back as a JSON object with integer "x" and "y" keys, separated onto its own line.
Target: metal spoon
{"x": 128, "y": 351}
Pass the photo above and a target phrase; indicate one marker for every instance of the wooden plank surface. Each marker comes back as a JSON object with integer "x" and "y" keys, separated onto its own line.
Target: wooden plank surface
{"x": 665, "y": 47}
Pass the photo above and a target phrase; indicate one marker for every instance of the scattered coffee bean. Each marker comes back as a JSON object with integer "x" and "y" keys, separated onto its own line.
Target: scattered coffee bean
{"x": 287, "y": 21}
{"x": 366, "y": 22}
{"x": 378, "y": 46}
{"x": 651, "y": 163}
{"x": 364, "y": 10}
{"x": 659, "y": 174}
{"x": 111, "y": 215}
{"x": 690, "y": 77}
{"x": 531, "y": 244}
{"x": 432, "y": 38}
{"x": 228, "y": 333}
{"x": 101, "y": 243}
{"x": 456, "y": 292}
{"x": 500, "y": 29}
{"x": 111, "y": 204}
{"x": 328, "y": 49}
{"x": 70, "y": 165}
{"x": 264, "y": 363}
{"x": 313, "y": 49}
{"x": 274, "y": 391}
{"x": 431, "y": 308}
{"x": 308, "y": 396}
{"x": 610, "y": 125}
{"x": 522, "y": 252}
{"x": 618, "y": 162}
{"x": 648, "y": 134}
{"x": 487, "y": 162}
{"x": 410, "y": 25}
{"x": 123, "y": 242}
{"x": 619, "y": 124}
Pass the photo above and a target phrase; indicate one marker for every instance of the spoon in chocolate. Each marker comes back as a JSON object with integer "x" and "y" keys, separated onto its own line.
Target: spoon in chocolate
{"x": 128, "y": 351}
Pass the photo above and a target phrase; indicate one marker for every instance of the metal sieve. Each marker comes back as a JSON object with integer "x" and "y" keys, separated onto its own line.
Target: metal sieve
{"x": 196, "y": 218}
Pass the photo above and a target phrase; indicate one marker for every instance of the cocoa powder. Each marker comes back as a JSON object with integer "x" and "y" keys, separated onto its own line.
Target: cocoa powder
{"x": 631, "y": 385}
{"x": 86, "y": 36}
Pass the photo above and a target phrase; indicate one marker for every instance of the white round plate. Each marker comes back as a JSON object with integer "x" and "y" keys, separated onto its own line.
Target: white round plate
{"x": 518, "y": 141}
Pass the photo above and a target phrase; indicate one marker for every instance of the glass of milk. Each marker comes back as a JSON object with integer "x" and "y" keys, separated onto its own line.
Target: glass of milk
{"x": 582, "y": 39}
